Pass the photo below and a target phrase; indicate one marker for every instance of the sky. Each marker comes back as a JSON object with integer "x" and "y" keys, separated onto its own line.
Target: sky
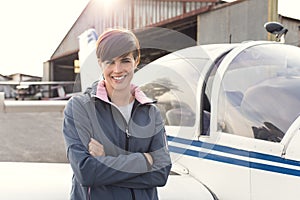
{"x": 289, "y": 8}
{"x": 31, "y": 30}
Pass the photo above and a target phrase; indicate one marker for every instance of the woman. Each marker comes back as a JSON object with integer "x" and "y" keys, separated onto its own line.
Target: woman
{"x": 114, "y": 134}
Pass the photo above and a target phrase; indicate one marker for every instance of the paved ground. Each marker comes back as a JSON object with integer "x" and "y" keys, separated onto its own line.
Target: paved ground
{"x": 33, "y": 137}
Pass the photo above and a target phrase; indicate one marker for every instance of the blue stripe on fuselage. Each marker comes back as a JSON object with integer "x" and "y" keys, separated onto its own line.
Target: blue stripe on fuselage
{"x": 233, "y": 151}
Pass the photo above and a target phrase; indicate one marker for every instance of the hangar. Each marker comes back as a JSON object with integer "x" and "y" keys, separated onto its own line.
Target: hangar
{"x": 202, "y": 21}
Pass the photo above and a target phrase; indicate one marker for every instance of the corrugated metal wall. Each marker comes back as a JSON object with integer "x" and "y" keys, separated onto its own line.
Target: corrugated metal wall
{"x": 149, "y": 12}
{"x": 238, "y": 22}
{"x": 293, "y": 35}
{"x": 130, "y": 14}
{"x": 133, "y": 14}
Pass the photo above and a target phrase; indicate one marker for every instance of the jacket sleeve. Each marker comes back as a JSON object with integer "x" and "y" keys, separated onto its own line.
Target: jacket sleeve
{"x": 88, "y": 170}
{"x": 161, "y": 167}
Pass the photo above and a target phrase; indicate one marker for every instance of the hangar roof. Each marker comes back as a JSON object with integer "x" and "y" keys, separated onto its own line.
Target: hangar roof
{"x": 131, "y": 14}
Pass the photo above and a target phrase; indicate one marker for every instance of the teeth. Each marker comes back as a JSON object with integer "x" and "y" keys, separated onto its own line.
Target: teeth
{"x": 118, "y": 78}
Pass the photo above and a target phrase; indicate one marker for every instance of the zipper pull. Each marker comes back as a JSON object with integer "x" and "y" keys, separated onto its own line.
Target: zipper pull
{"x": 127, "y": 132}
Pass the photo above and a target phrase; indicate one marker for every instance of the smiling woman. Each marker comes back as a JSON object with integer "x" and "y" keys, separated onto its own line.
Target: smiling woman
{"x": 113, "y": 126}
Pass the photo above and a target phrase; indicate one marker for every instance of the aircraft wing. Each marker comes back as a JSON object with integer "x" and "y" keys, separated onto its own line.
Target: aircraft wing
{"x": 31, "y": 106}
{"x": 27, "y": 83}
{"x": 31, "y": 88}
{"x": 9, "y": 83}
{"x": 45, "y": 176}
{"x": 47, "y": 83}
{"x": 35, "y": 180}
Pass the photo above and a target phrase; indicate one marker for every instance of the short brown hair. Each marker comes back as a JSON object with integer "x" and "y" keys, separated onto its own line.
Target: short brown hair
{"x": 117, "y": 42}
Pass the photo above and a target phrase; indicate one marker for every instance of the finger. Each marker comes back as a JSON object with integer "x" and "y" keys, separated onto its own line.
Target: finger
{"x": 93, "y": 141}
{"x": 97, "y": 145}
{"x": 92, "y": 146}
{"x": 92, "y": 153}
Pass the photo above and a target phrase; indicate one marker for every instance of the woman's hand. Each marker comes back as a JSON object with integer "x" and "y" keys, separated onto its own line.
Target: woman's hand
{"x": 95, "y": 148}
{"x": 149, "y": 158}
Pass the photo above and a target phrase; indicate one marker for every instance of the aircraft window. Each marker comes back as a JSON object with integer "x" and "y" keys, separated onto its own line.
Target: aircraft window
{"x": 175, "y": 109}
{"x": 260, "y": 96}
{"x": 173, "y": 84}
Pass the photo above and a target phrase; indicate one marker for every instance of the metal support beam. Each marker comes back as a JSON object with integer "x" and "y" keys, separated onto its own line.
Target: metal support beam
{"x": 272, "y": 15}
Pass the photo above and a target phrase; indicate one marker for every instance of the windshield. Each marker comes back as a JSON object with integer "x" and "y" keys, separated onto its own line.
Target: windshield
{"x": 260, "y": 92}
{"x": 172, "y": 82}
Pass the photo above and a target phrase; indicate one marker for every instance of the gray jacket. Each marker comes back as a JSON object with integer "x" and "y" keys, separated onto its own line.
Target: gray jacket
{"x": 123, "y": 173}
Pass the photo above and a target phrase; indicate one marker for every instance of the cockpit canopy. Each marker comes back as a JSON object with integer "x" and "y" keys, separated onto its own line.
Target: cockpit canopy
{"x": 258, "y": 97}
{"x": 260, "y": 92}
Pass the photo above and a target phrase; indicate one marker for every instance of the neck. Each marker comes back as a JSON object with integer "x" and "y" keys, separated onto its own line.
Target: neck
{"x": 120, "y": 98}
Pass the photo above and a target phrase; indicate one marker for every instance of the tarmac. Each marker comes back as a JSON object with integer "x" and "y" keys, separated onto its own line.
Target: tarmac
{"x": 32, "y": 137}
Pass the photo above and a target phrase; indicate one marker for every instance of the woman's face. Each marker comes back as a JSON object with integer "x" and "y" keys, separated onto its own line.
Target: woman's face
{"x": 119, "y": 71}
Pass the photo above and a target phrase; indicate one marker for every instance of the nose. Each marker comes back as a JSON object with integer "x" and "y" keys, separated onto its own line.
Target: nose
{"x": 118, "y": 66}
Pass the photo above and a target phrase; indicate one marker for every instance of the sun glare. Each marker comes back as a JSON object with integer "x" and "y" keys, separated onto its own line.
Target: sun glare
{"x": 108, "y": 4}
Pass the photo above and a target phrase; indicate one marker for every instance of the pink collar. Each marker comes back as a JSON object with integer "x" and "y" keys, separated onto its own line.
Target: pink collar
{"x": 140, "y": 96}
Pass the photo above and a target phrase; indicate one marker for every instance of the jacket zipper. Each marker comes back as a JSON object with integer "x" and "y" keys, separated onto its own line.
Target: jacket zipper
{"x": 127, "y": 126}
{"x": 127, "y": 141}
{"x": 127, "y": 138}
{"x": 126, "y": 149}
{"x": 89, "y": 197}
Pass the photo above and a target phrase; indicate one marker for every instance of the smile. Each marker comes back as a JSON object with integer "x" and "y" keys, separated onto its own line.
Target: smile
{"x": 118, "y": 77}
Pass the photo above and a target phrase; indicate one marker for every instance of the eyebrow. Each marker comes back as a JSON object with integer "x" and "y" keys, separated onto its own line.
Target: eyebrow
{"x": 125, "y": 55}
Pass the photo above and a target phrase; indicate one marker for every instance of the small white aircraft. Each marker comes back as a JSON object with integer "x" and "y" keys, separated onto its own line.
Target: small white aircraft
{"x": 34, "y": 90}
{"x": 231, "y": 113}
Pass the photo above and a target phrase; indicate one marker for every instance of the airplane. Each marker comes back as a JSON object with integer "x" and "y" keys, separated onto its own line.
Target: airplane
{"x": 35, "y": 90}
{"x": 252, "y": 144}
{"x": 231, "y": 115}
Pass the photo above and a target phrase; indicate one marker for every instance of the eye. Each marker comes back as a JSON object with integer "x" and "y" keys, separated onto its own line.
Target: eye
{"x": 109, "y": 62}
{"x": 126, "y": 60}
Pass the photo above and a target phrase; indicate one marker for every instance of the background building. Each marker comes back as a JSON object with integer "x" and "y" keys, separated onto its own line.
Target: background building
{"x": 201, "y": 21}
